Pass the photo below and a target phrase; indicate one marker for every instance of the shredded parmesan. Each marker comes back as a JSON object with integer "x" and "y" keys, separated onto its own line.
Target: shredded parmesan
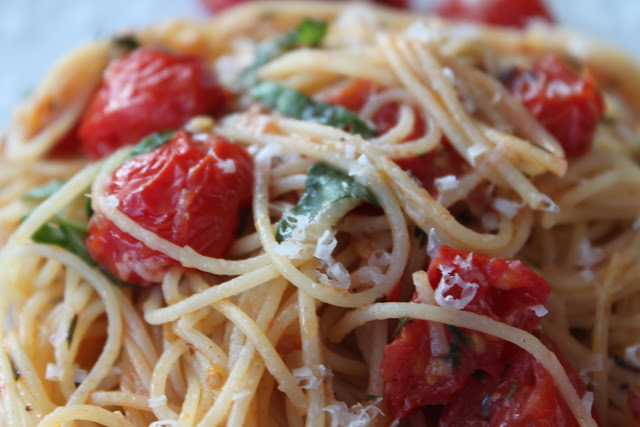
{"x": 53, "y": 372}
{"x": 447, "y": 282}
{"x": 507, "y": 207}
{"x": 358, "y": 415}
{"x": 540, "y": 310}
{"x": 631, "y": 355}
{"x": 434, "y": 243}
{"x": 326, "y": 244}
{"x": 311, "y": 377}
{"x": 164, "y": 423}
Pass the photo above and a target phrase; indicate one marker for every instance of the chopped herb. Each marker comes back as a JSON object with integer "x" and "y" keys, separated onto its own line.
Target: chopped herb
{"x": 512, "y": 391}
{"x": 88, "y": 209}
{"x": 454, "y": 354}
{"x": 293, "y": 103}
{"x": 401, "y": 323}
{"x": 72, "y": 329}
{"x": 126, "y": 42}
{"x": 461, "y": 336}
{"x": 535, "y": 144}
{"x": 325, "y": 186}
{"x": 310, "y": 33}
{"x": 370, "y": 397}
{"x": 486, "y": 407}
{"x": 478, "y": 373}
{"x": 608, "y": 120}
{"x": 43, "y": 191}
{"x": 16, "y": 372}
{"x": 420, "y": 234}
{"x": 244, "y": 221}
{"x": 383, "y": 298}
{"x": 624, "y": 386}
{"x": 151, "y": 142}
{"x": 67, "y": 233}
{"x": 28, "y": 408}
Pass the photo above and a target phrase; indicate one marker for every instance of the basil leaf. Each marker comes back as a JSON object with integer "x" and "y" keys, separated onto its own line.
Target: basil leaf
{"x": 310, "y": 33}
{"x": 67, "y": 233}
{"x": 401, "y": 323}
{"x": 150, "y": 143}
{"x": 293, "y": 103}
{"x": 460, "y": 336}
{"x": 72, "y": 329}
{"x": 370, "y": 397}
{"x": 126, "y": 42}
{"x": 325, "y": 185}
{"x": 43, "y": 191}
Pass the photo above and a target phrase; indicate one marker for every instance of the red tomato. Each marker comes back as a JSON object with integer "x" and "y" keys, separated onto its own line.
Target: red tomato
{"x": 525, "y": 395}
{"x": 147, "y": 91}
{"x": 188, "y": 192}
{"x": 506, "y": 292}
{"x": 568, "y": 105}
{"x": 508, "y": 13}
{"x": 218, "y": 5}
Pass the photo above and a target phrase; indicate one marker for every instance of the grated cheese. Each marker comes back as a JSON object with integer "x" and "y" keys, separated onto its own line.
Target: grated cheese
{"x": 358, "y": 415}
{"x": 310, "y": 378}
{"x": 447, "y": 282}
{"x": 433, "y": 244}
{"x": 53, "y": 372}
{"x": 335, "y": 274}
{"x": 631, "y": 355}
{"x": 164, "y": 423}
{"x": 326, "y": 244}
{"x": 506, "y": 207}
{"x": 540, "y": 310}
{"x": 446, "y": 183}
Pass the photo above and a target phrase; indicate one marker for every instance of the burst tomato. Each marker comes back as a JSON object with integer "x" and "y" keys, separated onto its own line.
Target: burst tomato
{"x": 524, "y": 395}
{"x": 568, "y": 105}
{"x": 188, "y": 192}
{"x": 147, "y": 91}
{"x": 509, "y": 13}
{"x": 505, "y": 290}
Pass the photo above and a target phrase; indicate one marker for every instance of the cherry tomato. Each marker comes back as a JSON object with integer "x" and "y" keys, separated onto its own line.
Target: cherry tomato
{"x": 190, "y": 192}
{"x": 218, "y": 5}
{"x": 508, "y": 13}
{"x": 147, "y": 91}
{"x": 524, "y": 395}
{"x": 568, "y": 105}
{"x": 506, "y": 290}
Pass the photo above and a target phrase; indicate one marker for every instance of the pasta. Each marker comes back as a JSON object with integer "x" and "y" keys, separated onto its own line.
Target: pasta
{"x": 293, "y": 323}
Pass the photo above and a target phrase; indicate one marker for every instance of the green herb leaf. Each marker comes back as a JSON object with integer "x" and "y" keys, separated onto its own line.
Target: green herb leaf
{"x": 310, "y": 33}
{"x": 43, "y": 191}
{"x": 325, "y": 185}
{"x": 126, "y": 42}
{"x": 293, "y": 103}
{"x": 401, "y": 323}
{"x": 151, "y": 142}
{"x": 512, "y": 391}
{"x": 16, "y": 372}
{"x": 370, "y": 397}
{"x": 67, "y": 233}
{"x": 420, "y": 234}
{"x": 486, "y": 407}
{"x": 71, "y": 330}
{"x": 460, "y": 336}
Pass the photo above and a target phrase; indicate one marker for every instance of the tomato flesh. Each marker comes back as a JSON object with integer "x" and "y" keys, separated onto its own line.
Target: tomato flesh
{"x": 146, "y": 91}
{"x": 568, "y": 105}
{"x": 524, "y": 395}
{"x": 509, "y": 13}
{"x": 506, "y": 291}
{"x": 188, "y": 192}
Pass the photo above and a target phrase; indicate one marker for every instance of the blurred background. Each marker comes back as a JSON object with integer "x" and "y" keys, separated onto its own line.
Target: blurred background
{"x": 34, "y": 33}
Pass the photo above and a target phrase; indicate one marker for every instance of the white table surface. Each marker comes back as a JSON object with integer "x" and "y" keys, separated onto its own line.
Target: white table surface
{"x": 34, "y": 33}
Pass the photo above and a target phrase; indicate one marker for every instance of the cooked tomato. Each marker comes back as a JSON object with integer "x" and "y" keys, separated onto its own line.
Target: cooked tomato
{"x": 147, "y": 91}
{"x": 568, "y": 105}
{"x": 188, "y": 191}
{"x": 218, "y": 5}
{"x": 506, "y": 290}
{"x": 524, "y": 395}
{"x": 509, "y": 13}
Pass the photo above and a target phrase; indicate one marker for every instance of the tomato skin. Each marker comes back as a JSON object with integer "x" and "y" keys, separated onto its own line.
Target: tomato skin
{"x": 181, "y": 192}
{"x": 146, "y": 91}
{"x": 525, "y": 395}
{"x": 508, "y": 13}
{"x": 568, "y": 105}
{"x": 506, "y": 291}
